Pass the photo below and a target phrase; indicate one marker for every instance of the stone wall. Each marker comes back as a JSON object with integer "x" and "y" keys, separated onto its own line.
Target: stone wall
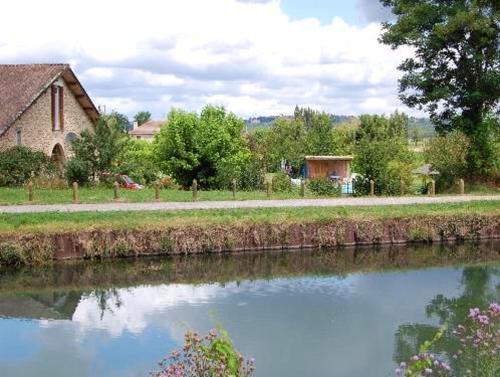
{"x": 36, "y": 124}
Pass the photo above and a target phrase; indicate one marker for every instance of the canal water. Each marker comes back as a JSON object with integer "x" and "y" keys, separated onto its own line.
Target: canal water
{"x": 343, "y": 313}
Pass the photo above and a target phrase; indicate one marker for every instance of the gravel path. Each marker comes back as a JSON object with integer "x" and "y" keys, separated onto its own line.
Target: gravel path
{"x": 174, "y": 206}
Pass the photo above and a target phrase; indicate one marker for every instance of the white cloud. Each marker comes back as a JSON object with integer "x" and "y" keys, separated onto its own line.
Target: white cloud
{"x": 247, "y": 55}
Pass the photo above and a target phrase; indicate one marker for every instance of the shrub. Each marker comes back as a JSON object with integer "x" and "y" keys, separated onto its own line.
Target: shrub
{"x": 361, "y": 186}
{"x": 19, "y": 164}
{"x": 77, "y": 170}
{"x": 282, "y": 182}
{"x": 242, "y": 167}
{"x": 29, "y": 253}
{"x": 50, "y": 182}
{"x": 448, "y": 155}
{"x": 10, "y": 255}
{"x": 209, "y": 355}
{"x": 324, "y": 187}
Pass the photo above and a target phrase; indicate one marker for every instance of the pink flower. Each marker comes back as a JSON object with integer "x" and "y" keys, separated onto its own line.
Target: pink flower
{"x": 474, "y": 312}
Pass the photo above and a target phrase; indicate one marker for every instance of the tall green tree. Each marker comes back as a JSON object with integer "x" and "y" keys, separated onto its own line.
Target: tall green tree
{"x": 286, "y": 139}
{"x": 202, "y": 146}
{"x": 120, "y": 120}
{"x": 142, "y": 117}
{"x": 455, "y": 71}
{"x": 98, "y": 152}
{"x": 381, "y": 153}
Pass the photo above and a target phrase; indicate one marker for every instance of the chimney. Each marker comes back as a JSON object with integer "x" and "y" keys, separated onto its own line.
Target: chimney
{"x": 135, "y": 125}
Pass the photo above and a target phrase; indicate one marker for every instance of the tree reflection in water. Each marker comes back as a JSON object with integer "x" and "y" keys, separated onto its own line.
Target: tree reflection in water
{"x": 479, "y": 290}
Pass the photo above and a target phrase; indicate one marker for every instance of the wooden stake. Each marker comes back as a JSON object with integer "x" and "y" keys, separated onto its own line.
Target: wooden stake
{"x": 234, "y": 188}
{"x": 30, "y": 191}
{"x": 461, "y": 184}
{"x": 75, "y": 192}
{"x": 195, "y": 190}
{"x": 302, "y": 188}
{"x": 269, "y": 189}
{"x": 116, "y": 190}
{"x": 432, "y": 191}
{"x": 372, "y": 187}
{"x": 157, "y": 191}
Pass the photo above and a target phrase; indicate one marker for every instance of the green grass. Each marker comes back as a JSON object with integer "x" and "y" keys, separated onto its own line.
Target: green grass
{"x": 57, "y": 222}
{"x": 12, "y": 196}
{"x": 19, "y": 196}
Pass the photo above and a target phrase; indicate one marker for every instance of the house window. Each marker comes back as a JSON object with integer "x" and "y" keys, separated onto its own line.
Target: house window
{"x": 57, "y": 108}
{"x": 19, "y": 140}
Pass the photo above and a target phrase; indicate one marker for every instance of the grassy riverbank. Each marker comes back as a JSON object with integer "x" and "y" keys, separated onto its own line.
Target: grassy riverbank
{"x": 67, "y": 222}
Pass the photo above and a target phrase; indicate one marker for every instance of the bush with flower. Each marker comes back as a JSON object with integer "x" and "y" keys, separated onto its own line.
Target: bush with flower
{"x": 478, "y": 354}
{"x": 212, "y": 355}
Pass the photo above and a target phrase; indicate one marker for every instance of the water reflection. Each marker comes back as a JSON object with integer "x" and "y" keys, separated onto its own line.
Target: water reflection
{"x": 480, "y": 287}
{"x": 298, "y": 314}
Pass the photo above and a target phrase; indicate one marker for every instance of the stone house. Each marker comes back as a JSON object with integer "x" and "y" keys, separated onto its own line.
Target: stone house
{"x": 43, "y": 107}
{"x": 146, "y": 131}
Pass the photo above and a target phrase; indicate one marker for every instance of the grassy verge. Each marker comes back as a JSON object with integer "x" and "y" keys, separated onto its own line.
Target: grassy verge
{"x": 57, "y": 222}
{"x": 12, "y": 196}
{"x": 17, "y": 196}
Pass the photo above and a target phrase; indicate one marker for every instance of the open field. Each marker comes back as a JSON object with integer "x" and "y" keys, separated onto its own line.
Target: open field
{"x": 19, "y": 196}
{"x": 77, "y": 221}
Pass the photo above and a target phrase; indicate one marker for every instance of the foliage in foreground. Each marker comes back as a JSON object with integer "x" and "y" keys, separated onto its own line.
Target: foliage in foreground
{"x": 212, "y": 355}
{"x": 478, "y": 354}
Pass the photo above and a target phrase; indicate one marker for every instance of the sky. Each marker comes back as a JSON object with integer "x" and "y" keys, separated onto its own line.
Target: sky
{"x": 254, "y": 57}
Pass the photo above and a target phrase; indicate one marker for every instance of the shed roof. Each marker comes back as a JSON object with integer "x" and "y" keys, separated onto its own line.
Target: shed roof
{"x": 22, "y": 84}
{"x": 329, "y": 158}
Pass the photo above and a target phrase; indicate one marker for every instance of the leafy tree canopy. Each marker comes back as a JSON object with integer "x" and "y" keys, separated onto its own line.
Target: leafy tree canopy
{"x": 142, "y": 117}
{"x": 99, "y": 151}
{"x": 455, "y": 71}
{"x": 196, "y": 146}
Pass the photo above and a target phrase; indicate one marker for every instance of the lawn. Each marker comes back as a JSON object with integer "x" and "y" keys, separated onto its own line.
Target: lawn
{"x": 12, "y": 196}
{"x": 57, "y": 222}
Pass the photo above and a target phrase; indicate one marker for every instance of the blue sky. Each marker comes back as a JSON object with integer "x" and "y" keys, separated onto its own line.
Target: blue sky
{"x": 254, "y": 57}
{"x": 324, "y": 10}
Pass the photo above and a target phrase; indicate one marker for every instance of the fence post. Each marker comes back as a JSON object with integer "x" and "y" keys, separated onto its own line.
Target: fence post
{"x": 268, "y": 188}
{"x": 372, "y": 187}
{"x": 30, "y": 191}
{"x": 195, "y": 190}
{"x": 302, "y": 188}
{"x": 461, "y": 184}
{"x": 234, "y": 188}
{"x": 116, "y": 190}
{"x": 402, "y": 187}
{"x": 75, "y": 192}
{"x": 157, "y": 191}
{"x": 432, "y": 190}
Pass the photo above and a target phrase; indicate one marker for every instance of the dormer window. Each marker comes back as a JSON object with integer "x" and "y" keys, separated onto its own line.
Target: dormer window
{"x": 57, "y": 107}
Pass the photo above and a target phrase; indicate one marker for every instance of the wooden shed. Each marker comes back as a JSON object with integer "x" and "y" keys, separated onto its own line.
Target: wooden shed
{"x": 328, "y": 166}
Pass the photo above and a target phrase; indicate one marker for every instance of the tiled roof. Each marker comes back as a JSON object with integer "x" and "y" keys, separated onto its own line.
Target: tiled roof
{"x": 151, "y": 127}
{"x": 22, "y": 84}
{"x": 329, "y": 158}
